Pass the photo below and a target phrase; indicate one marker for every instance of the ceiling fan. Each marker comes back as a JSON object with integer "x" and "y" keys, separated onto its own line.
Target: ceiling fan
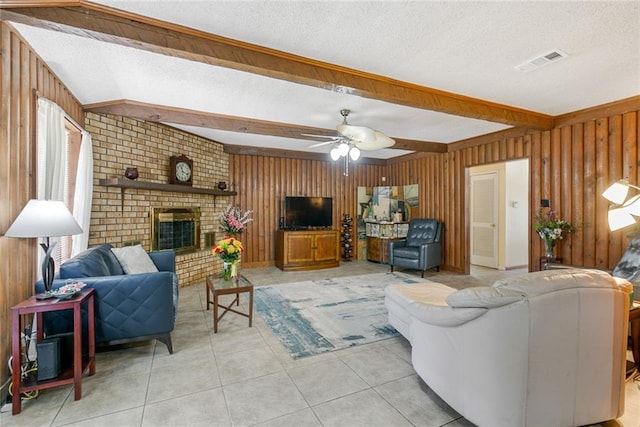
{"x": 362, "y": 137}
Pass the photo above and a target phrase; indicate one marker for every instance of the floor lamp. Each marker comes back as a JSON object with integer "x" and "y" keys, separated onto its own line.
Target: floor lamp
{"x": 46, "y": 219}
{"x": 623, "y": 209}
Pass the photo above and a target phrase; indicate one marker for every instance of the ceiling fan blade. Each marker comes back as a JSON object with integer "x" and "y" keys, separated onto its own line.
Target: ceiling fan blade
{"x": 381, "y": 141}
{"x": 357, "y": 133}
{"x": 319, "y": 144}
{"x": 320, "y": 136}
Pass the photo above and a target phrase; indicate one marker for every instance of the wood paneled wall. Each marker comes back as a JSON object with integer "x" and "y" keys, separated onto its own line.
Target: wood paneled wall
{"x": 570, "y": 165}
{"x": 263, "y": 182}
{"x": 21, "y": 73}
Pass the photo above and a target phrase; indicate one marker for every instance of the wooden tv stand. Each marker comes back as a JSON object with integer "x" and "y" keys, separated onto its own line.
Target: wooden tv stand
{"x": 307, "y": 249}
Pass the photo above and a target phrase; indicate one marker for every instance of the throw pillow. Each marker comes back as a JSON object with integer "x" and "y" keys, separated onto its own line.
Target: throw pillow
{"x": 134, "y": 259}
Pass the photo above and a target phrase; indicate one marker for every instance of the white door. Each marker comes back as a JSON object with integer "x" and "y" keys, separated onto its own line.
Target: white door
{"x": 484, "y": 219}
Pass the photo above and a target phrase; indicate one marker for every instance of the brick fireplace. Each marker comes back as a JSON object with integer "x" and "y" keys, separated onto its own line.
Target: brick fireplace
{"x": 176, "y": 228}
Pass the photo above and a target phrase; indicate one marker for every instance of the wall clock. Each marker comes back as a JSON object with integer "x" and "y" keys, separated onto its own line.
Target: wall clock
{"x": 181, "y": 170}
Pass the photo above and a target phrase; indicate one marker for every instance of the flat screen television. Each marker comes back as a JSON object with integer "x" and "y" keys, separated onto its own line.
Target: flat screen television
{"x": 307, "y": 212}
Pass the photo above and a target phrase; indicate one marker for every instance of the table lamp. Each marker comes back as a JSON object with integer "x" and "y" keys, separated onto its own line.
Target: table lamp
{"x": 44, "y": 218}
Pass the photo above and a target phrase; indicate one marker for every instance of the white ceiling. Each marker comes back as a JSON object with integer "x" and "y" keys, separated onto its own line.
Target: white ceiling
{"x": 468, "y": 48}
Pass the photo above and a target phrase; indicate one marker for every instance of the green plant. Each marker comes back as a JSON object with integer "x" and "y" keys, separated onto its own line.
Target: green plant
{"x": 550, "y": 228}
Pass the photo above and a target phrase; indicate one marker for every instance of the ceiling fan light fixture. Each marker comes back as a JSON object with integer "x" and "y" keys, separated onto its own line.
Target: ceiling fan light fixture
{"x": 354, "y": 153}
{"x": 343, "y": 149}
{"x": 335, "y": 153}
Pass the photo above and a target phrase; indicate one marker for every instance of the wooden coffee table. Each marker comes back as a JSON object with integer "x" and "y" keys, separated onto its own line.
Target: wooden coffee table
{"x": 216, "y": 287}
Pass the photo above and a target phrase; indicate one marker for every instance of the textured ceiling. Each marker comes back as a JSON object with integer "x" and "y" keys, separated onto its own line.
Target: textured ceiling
{"x": 467, "y": 48}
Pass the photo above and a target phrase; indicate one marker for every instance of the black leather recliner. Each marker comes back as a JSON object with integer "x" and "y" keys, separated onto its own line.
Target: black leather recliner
{"x": 421, "y": 250}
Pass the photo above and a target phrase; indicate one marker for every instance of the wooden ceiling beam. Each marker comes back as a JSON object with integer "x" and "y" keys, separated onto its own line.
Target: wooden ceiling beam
{"x": 275, "y": 152}
{"x": 182, "y": 116}
{"x": 127, "y": 29}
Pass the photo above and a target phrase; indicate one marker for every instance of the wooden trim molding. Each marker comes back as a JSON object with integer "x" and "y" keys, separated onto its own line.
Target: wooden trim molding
{"x": 606, "y": 110}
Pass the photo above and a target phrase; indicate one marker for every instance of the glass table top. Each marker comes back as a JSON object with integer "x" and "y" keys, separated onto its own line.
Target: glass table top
{"x": 217, "y": 283}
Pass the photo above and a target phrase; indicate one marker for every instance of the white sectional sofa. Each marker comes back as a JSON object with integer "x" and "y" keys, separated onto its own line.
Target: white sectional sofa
{"x": 542, "y": 349}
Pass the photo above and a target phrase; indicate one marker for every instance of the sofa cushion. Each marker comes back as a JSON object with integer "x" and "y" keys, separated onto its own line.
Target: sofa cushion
{"x": 412, "y": 252}
{"x": 484, "y": 297}
{"x": 399, "y": 296}
{"x": 542, "y": 282}
{"x": 428, "y": 293}
{"x": 422, "y": 231}
{"x": 134, "y": 260}
{"x": 94, "y": 262}
{"x": 443, "y": 315}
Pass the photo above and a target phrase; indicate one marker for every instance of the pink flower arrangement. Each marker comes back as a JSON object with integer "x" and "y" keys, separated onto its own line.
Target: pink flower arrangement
{"x": 233, "y": 220}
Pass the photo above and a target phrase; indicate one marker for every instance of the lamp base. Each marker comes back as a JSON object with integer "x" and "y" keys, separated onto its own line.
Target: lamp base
{"x": 44, "y": 295}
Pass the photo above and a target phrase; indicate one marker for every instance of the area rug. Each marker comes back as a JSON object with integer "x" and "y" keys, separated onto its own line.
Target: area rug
{"x": 317, "y": 316}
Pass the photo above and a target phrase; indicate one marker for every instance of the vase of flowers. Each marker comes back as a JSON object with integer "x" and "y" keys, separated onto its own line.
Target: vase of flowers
{"x": 229, "y": 250}
{"x": 229, "y": 270}
{"x": 233, "y": 220}
{"x": 551, "y": 229}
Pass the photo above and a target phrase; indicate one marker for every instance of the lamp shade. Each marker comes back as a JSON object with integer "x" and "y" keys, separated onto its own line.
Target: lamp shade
{"x": 620, "y": 218}
{"x": 44, "y": 218}
{"x": 617, "y": 192}
{"x": 632, "y": 205}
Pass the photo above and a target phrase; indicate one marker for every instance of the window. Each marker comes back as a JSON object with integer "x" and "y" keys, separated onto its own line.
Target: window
{"x": 65, "y": 169}
{"x": 72, "y": 148}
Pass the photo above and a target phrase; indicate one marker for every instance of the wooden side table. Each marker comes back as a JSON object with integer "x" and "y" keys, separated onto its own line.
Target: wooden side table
{"x": 378, "y": 248}
{"x": 68, "y": 376}
{"x": 216, "y": 287}
{"x": 544, "y": 262}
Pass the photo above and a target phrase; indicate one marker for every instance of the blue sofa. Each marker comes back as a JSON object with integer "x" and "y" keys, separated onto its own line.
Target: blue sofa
{"x": 128, "y": 307}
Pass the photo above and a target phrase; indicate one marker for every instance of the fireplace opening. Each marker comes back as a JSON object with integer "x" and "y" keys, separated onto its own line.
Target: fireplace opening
{"x": 176, "y": 228}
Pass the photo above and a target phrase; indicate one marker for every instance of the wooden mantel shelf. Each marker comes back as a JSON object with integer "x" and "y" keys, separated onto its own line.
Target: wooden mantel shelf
{"x": 126, "y": 183}
{"x": 123, "y": 184}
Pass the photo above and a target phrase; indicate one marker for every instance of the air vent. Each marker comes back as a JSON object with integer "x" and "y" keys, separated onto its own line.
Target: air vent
{"x": 540, "y": 61}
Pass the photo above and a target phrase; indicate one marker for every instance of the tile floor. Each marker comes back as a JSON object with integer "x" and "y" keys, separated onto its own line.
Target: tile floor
{"x": 243, "y": 377}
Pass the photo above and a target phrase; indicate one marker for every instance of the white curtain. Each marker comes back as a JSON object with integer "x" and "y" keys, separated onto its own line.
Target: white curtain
{"x": 51, "y": 138}
{"x": 52, "y": 168}
{"x": 83, "y": 196}
{"x": 52, "y": 153}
